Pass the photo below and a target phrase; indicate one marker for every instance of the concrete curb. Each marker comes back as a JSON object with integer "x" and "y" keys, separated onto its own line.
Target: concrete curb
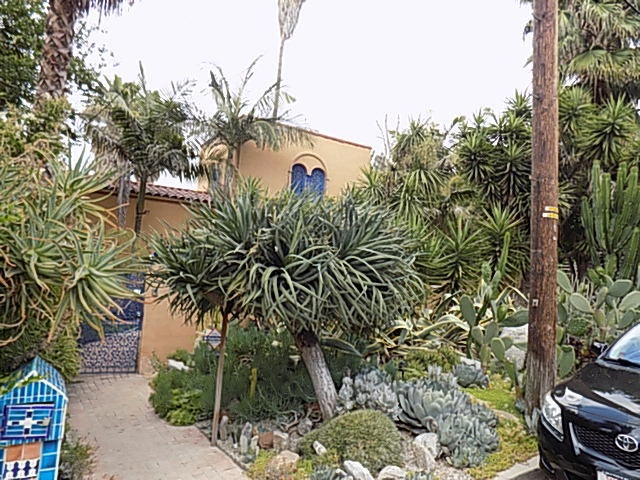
{"x": 520, "y": 471}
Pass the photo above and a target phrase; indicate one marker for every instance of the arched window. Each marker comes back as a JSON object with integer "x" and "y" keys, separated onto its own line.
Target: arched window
{"x": 301, "y": 181}
{"x": 298, "y": 178}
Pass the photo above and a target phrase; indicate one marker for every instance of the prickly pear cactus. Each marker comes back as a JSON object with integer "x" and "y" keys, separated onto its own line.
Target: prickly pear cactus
{"x": 471, "y": 376}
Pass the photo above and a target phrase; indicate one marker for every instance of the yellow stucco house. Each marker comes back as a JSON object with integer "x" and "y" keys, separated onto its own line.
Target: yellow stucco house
{"x": 327, "y": 165}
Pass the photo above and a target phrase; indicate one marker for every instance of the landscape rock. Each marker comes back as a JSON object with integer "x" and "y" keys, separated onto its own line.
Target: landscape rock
{"x": 223, "y": 428}
{"x": 319, "y": 448}
{"x": 282, "y": 465}
{"x": 430, "y": 441}
{"x": 245, "y": 438}
{"x": 304, "y": 426}
{"x": 517, "y": 356}
{"x": 253, "y": 445}
{"x": 423, "y": 450}
{"x": 280, "y": 441}
{"x": 392, "y": 472}
{"x": 357, "y": 470}
{"x": 265, "y": 440}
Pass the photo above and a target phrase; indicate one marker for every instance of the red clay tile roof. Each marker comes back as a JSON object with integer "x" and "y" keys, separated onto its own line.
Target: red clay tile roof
{"x": 173, "y": 193}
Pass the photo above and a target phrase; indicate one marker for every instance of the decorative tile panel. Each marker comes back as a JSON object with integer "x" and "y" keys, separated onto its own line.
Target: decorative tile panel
{"x": 21, "y": 469}
{"x": 28, "y": 422}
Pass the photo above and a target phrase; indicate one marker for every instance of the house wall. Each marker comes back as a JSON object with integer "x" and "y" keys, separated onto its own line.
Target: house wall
{"x": 162, "y": 333}
{"x": 341, "y": 161}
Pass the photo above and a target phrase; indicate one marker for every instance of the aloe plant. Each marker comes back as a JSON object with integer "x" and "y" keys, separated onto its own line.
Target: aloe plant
{"x": 60, "y": 264}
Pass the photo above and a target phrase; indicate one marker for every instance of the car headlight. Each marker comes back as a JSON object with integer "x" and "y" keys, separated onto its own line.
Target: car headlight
{"x": 552, "y": 416}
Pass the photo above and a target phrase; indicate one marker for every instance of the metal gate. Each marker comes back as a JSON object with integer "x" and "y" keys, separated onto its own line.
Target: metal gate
{"x": 118, "y": 353}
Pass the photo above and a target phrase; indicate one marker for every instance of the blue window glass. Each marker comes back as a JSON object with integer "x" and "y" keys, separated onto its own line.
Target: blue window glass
{"x": 315, "y": 181}
{"x": 300, "y": 181}
{"x": 298, "y": 178}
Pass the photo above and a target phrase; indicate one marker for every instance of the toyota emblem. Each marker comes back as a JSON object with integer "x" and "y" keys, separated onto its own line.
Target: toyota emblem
{"x": 626, "y": 443}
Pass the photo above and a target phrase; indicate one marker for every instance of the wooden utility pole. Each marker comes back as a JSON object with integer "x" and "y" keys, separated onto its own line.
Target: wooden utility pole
{"x": 541, "y": 349}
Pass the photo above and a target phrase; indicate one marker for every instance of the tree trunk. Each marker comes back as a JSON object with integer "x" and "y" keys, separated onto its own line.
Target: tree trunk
{"x": 541, "y": 349}
{"x": 140, "y": 201}
{"x": 232, "y": 169}
{"x": 314, "y": 360}
{"x": 276, "y": 102}
{"x": 56, "y": 52}
{"x": 124, "y": 192}
{"x": 215, "y": 422}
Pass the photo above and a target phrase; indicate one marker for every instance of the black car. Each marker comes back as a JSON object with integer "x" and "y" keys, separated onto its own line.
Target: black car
{"x": 590, "y": 425}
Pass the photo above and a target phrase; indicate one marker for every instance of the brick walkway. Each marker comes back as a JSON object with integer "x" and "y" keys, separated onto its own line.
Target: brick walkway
{"x": 112, "y": 412}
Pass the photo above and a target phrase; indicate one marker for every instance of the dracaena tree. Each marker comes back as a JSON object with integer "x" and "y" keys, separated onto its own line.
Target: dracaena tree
{"x": 310, "y": 264}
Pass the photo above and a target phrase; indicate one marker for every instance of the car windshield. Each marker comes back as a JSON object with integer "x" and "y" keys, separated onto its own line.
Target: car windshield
{"x": 627, "y": 348}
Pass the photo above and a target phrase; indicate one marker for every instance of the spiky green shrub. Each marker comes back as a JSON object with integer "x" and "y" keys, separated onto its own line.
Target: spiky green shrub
{"x": 364, "y": 436}
{"x": 418, "y": 361}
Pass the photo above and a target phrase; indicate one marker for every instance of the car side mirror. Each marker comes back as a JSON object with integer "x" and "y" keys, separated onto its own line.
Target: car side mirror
{"x": 598, "y": 347}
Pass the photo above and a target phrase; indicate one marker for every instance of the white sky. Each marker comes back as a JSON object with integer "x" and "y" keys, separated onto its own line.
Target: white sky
{"x": 349, "y": 62}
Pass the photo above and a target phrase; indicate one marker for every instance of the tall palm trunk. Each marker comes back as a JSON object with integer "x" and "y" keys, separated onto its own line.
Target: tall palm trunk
{"x": 124, "y": 192}
{"x": 140, "y": 201}
{"x": 313, "y": 358}
{"x": 276, "y": 102}
{"x": 232, "y": 169}
{"x": 56, "y": 53}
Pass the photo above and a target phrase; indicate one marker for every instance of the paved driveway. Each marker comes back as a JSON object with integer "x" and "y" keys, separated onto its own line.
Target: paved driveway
{"x": 112, "y": 412}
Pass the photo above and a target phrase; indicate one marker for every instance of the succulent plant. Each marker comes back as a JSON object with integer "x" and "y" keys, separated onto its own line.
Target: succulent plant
{"x": 434, "y": 403}
{"x": 370, "y": 389}
{"x": 471, "y": 376}
{"x": 423, "y": 408}
{"x": 328, "y": 473}
{"x": 420, "y": 475}
{"x": 466, "y": 439}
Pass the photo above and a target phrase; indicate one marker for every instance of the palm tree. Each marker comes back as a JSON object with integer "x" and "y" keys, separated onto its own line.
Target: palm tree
{"x": 238, "y": 121}
{"x": 288, "y": 14}
{"x": 141, "y": 132}
{"x": 57, "y": 50}
{"x": 597, "y": 46}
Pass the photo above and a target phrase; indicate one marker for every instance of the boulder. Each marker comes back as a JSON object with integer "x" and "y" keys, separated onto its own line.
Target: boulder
{"x": 282, "y": 465}
{"x": 280, "y": 441}
{"x": 265, "y": 440}
{"x": 425, "y": 450}
{"x": 319, "y": 448}
{"x": 357, "y": 470}
{"x": 392, "y": 472}
{"x": 304, "y": 426}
